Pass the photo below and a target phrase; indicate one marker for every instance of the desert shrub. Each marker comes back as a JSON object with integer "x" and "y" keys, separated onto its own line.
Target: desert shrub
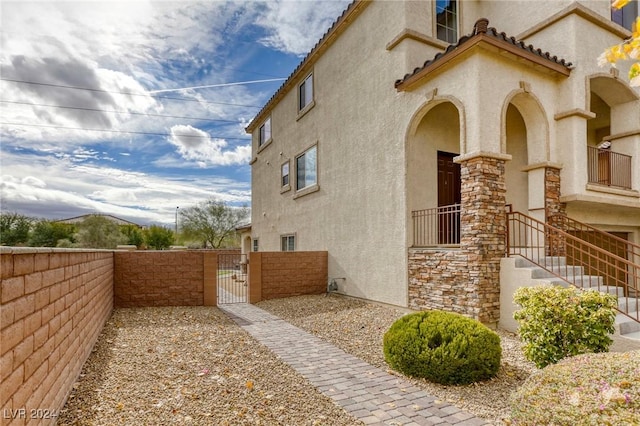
{"x": 442, "y": 347}
{"x": 557, "y": 322}
{"x": 589, "y": 389}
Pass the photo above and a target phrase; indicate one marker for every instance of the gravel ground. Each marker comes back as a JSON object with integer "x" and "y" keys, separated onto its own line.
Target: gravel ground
{"x": 190, "y": 365}
{"x": 357, "y": 327}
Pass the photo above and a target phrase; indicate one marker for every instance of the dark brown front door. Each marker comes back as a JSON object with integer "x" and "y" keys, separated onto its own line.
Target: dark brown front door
{"x": 448, "y": 194}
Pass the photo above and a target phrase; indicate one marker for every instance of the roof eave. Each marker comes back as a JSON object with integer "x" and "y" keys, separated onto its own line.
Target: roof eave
{"x": 480, "y": 40}
{"x": 353, "y": 10}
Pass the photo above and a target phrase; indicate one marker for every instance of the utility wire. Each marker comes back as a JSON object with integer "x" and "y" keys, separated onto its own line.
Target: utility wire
{"x": 120, "y": 131}
{"x": 126, "y": 93}
{"x": 119, "y": 112}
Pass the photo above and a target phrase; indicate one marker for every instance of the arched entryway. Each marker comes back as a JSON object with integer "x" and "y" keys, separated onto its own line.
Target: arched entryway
{"x": 525, "y": 137}
{"x": 433, "y": 177}
{"x": 609, "y": 151}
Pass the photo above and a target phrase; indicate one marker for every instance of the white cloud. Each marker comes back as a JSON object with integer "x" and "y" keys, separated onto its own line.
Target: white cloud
{"x": 113, "y": 47}
{"x": 296, "y": 26}
{"x": 34, "y": 182}
{"x": 71, "y": 190}
{"x": 132, "y": 47}
{"x": 196, "y": 145}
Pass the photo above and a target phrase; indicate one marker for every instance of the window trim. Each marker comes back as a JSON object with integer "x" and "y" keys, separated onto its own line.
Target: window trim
{"x": 285, "y": 187}
{"x": 290, "y": 235}
{"x": 255, "y": 245}
{"x": 435, "y": 22}
{"x": 263, "y": 144}
{"x": 302, "y": 111}
{"x": 621, "y": 11}
{"x": 313, "y": 187}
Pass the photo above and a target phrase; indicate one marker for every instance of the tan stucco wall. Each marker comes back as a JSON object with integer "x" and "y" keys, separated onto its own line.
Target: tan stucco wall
{"x": 360, "y": 163}
{"x": 375, "y": 146}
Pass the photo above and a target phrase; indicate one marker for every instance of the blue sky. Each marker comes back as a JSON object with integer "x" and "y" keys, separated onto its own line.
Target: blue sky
{"x": 158, "y": 147}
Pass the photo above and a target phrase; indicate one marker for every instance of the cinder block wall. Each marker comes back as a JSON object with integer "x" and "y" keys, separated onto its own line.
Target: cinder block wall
{"x": 284, "y": 274}
{"x": 165, "y": 278}
{"x": 54, "y": 305}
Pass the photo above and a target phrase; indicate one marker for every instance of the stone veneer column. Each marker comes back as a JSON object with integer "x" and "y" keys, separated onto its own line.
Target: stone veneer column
{"x": 554, "y": 209}
{"x": 483, "y": 231}
{"x": 552, "y": 204}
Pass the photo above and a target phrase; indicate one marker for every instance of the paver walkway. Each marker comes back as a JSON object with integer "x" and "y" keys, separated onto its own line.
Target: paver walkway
{"x": 364, "y": 391}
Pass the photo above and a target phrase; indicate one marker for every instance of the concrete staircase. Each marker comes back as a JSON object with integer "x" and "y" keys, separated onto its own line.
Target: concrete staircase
{"x": 625, "y": 326}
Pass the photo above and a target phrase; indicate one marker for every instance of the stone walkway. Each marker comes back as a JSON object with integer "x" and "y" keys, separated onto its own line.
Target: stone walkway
{"x": 366, "y": 392}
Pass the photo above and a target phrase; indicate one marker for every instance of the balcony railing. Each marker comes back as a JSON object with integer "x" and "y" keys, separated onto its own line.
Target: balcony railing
{"x": 436, "y": 226}
{"x": 609, "y": 168}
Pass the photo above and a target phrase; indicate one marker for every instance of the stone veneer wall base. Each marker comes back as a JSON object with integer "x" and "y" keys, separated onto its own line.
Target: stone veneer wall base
{"x": 467, "y": 281}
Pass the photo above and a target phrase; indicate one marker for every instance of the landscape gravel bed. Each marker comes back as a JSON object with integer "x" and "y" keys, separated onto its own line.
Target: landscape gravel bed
{"x": 193, "y": 365}
{"x": 190, "y": 365}
{"x": 357, "y": 327}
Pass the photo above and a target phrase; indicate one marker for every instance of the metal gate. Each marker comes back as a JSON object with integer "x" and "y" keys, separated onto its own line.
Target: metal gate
{"x": 233, "y": 281}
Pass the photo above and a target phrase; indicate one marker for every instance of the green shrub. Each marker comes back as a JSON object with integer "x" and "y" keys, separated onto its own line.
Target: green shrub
{"x": 590, "y": 389}
{"x": 557, "y": 322}
{"x": 442, "y": 347}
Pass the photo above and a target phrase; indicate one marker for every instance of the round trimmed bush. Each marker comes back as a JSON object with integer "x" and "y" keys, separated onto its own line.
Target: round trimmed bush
{"x": 442, "y": 347}
{"x": 588, "y": 389}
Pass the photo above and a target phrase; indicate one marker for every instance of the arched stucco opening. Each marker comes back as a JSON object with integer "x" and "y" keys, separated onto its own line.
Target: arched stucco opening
{"x": 516, "y": 179}
{"x": 433, "y": 178}
{"x": 246, "y": 244}
{"x": 599, "y": 127}
{"x": 609, "y": 153}
{"x": 525, "y": 136}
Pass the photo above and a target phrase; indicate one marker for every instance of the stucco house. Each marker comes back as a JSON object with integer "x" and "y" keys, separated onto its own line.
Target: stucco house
{"x": 406, "y": 136}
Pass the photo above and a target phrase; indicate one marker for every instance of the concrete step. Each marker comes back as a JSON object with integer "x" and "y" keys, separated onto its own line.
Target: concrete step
{"x": 635, "y": 335}
{"x": 618, "y": 291}
{"x": 631, "y": 304}
{"x": 565, "y": 271}
{"x": 626, "y": 325}
{"x": 548, "y": 261}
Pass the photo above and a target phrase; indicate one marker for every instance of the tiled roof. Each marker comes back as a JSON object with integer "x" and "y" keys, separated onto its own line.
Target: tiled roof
{"x": 482, "y": 32}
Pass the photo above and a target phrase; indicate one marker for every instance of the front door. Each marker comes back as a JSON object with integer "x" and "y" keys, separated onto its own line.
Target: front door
{"x": 448, "y": 195}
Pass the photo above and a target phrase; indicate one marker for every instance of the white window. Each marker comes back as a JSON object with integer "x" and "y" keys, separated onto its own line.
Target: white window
{"x": 285, "y": 175}
{"x": 305, "y": 92}
{"x": 447, "y": 20}
{"x": 625, "y": 16}
{"x": 288, "y": 242}
{"x": 265, "y": 132}
{"x": 307, "y": 169}
{"x": 255, "y": 244}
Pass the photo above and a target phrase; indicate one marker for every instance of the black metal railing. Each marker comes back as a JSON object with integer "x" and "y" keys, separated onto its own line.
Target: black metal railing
{"x": 436, "y": 226}
{"x": 609, "y": 168}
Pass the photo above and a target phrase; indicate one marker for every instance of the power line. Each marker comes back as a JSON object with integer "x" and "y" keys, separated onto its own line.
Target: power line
{"x": 206, "y": 86}
{"x": 119, "y": 131}
{"x": 118, "y": 112}
{"x": 125, "y": 93}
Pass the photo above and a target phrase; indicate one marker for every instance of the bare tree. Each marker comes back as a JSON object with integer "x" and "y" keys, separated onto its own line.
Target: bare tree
{"x": 213, "y": 222}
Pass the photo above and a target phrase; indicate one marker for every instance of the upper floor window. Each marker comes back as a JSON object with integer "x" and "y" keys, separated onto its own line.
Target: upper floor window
{"x": 307, "y": 168}
{"x": 265, "y": 132}
{"x": 255, "y": 244}
{"x": 447, "y": 20}
{"x": 627, "y": 15}
{"x": 305, "y": 92}
{"x": 285, "y": 175}
{"x": 288, "y": 242}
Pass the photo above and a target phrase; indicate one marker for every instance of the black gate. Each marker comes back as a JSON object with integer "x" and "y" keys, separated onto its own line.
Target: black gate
{"x": 233, "y": 281}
